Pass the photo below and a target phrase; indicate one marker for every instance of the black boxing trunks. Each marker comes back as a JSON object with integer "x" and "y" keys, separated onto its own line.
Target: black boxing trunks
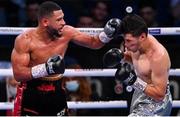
{"x": 40, "y": 98}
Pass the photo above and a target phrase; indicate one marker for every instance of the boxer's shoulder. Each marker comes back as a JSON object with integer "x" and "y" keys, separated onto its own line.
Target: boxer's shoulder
{"x": 68, "y": 27}
{"x": 159, "y": 54}
{"x": 23, "y": 40}
{"x": 26, "y": 35}
{"x": 69, "y": 31}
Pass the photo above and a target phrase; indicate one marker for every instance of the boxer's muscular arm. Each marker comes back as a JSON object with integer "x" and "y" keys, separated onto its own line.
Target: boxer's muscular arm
{"x": 127, "y": 54}
{"x": 86, "y": 40}
{"x": 111, "y": 30}
{"x": 20, "y": 59}
{"x": 159, "y": 76}
{"x": 127, "y": 57}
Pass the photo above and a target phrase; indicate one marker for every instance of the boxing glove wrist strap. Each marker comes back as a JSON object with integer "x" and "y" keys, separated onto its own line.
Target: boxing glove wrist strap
{"x": 139, "y": 84}
{"x": 39, "y": 71}
{"x": 104, "y": 38}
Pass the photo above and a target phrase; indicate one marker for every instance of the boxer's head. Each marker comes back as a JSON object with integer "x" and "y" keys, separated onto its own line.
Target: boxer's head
{"x": 51, "y": 17}
{"x": 134, "y": 30}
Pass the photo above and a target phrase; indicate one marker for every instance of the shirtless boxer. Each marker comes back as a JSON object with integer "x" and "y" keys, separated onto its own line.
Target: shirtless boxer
{"x": 37, "y": 60}
{"x": 145, "y": 66}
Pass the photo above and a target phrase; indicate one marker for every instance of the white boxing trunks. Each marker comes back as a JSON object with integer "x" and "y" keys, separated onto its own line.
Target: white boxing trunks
{"x": 143, "y": 105}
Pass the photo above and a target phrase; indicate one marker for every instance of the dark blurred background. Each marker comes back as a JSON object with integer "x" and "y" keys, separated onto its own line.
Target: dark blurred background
{"x": 95, "y": 13}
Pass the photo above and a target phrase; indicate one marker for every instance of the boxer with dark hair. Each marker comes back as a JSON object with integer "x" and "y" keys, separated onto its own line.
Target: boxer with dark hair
{"x": 145, "y": 67}
{"x": 37, "y": 60}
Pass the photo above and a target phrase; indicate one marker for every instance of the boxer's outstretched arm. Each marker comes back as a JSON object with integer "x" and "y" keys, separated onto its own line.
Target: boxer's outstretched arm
{"x": 111, "y": 30}
{"x": 127, "y": 54}
{"x": 20, "y": 58}
{"x": 86, "y": 40}
{"x": 127, "y": 57}
{"x": 159, "y": 76}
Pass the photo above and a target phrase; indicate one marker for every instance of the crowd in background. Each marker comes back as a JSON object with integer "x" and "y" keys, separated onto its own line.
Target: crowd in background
{"x": 155, "y": 12}
{"x": 87, "y": 13}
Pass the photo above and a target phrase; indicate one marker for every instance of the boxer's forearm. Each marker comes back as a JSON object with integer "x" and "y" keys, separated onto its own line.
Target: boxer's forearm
{"x": 127, "y": 57}
{"x": 88, "y": 41}
{"x": 155, "y": 92}
{"x": 22, "y": 74}
{"x": 96, "y": 43}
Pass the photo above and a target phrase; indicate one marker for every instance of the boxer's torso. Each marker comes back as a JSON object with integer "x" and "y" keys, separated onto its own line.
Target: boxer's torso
{"x": 143, "y": 62}
{"x": 46, "y": 90}
{"x": 40, "y": 49}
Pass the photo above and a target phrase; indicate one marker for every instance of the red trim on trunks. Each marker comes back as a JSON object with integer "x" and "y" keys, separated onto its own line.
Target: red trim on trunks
{"x": 18, "y": 99}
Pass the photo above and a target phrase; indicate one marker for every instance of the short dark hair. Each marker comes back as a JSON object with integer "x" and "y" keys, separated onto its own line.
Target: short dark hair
{"x": 134, "y": 25}
{"x": 46, "y": 9}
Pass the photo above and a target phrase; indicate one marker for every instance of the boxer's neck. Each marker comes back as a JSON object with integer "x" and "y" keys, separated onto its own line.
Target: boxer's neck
{"x": 43, "y": 33}
{"x": 145, "y": 46}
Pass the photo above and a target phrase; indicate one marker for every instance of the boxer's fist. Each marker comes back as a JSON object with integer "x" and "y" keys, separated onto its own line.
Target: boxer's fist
{"x": 112, "y": 57}
{"x": 125, "y": 74}
{"x": 55, "y": 65}
{"x": 112, "y": 28}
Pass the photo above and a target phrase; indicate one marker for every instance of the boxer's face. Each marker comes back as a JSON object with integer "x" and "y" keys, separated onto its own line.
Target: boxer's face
{"x": 131, "y": 42}
{"x": 56, "y": 23}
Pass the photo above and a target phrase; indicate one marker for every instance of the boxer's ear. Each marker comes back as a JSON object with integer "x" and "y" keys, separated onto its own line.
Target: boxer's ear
{"x": 45, "y": 21}
{"x": 142, "y": 36}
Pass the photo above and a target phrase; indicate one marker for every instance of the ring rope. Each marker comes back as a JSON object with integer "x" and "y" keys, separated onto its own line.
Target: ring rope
{"x": 91, "y": 72}
{"x": 79, "y": 105}
{"x": 89, "y": 105}
{"x": 88, "y": 72}
{"x": 95, "y": 31}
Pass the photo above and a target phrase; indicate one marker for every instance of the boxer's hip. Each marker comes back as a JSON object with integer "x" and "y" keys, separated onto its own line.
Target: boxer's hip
{"x": 144, "y": 105}
{"x": 52, "y": 77}
{"x": 45, "y": 84}
{"x": 49, "y": 103}
{"x": 39, "y": 87}
{"x": 44, "y": 97}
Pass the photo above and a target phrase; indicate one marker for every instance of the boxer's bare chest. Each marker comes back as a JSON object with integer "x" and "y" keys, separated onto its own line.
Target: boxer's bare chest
{"x": 142, "y": 67}
{"x": 41, "y": 50}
